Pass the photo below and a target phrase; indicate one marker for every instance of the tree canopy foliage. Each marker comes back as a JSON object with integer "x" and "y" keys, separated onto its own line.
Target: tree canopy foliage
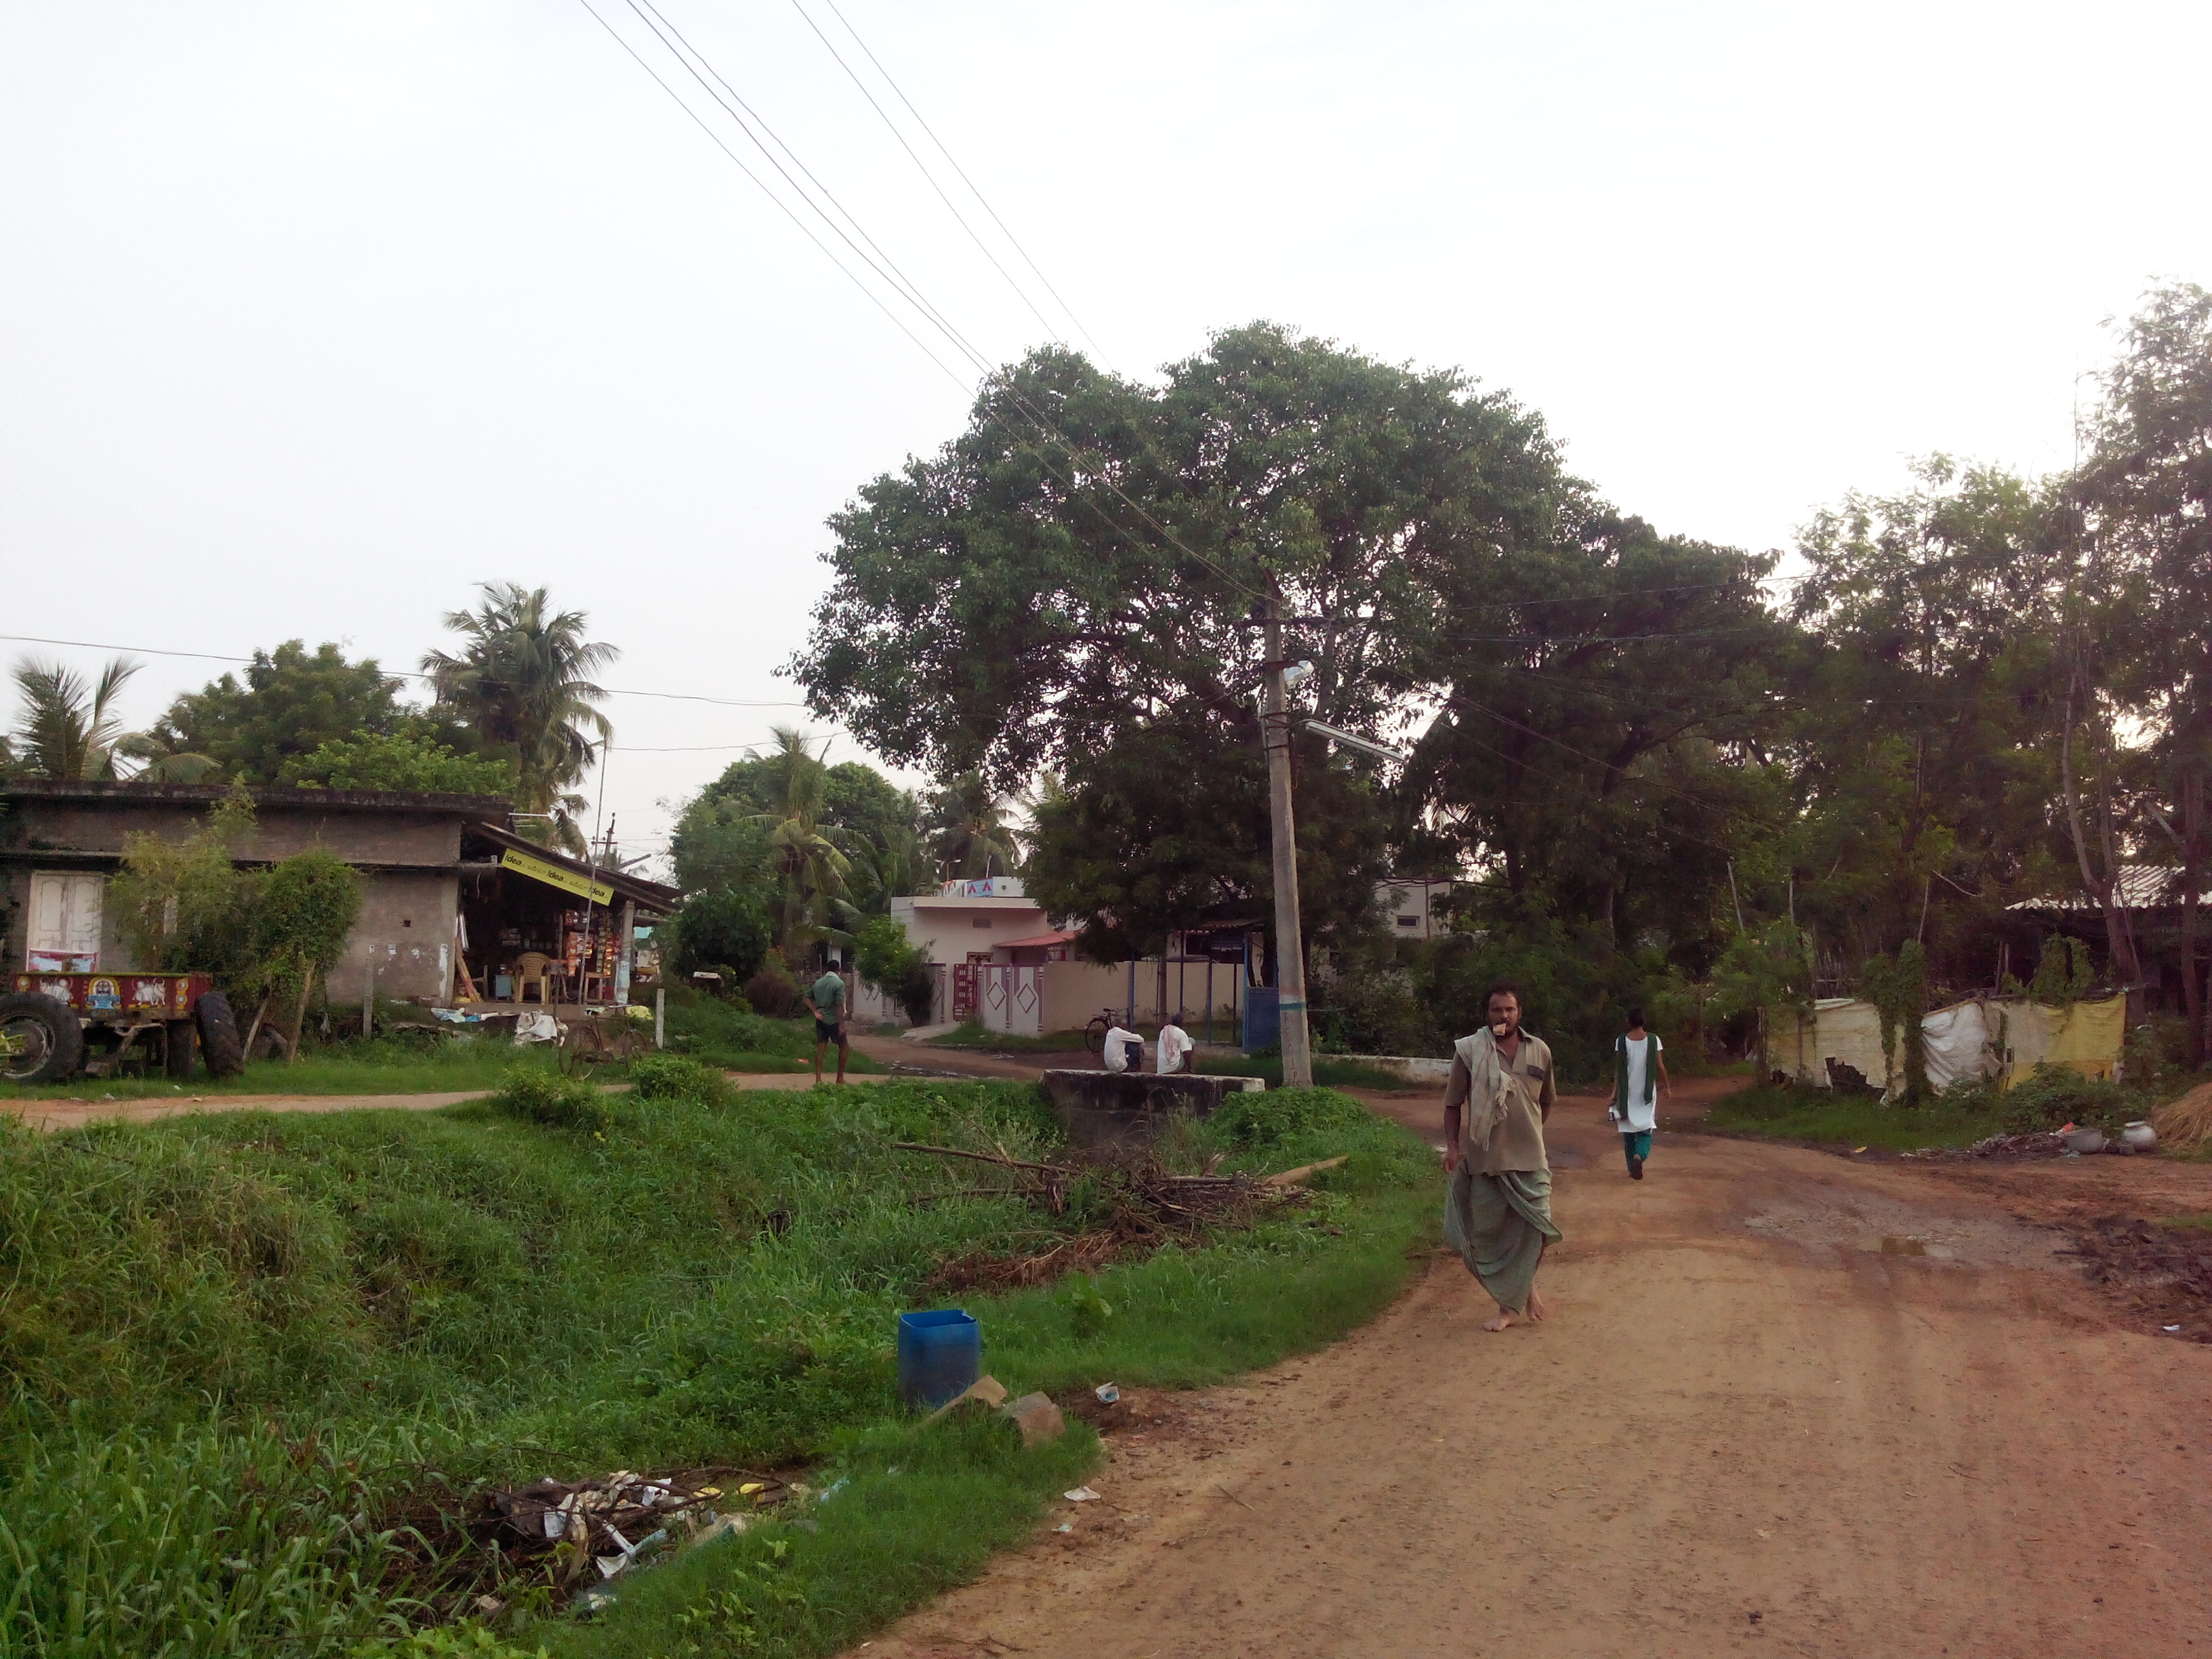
{"x": 290, "y": 703}
{"x": 1661, "y": 756}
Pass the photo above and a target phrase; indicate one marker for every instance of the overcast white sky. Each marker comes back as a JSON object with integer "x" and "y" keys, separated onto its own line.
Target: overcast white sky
{"x": 312, "y": 315}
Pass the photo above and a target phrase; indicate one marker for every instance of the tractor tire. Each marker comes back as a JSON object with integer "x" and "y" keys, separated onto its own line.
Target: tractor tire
{"x": 46, "y": 1042}
{"x": 177, "y": 1049}
{"x": 219, "y": 1041}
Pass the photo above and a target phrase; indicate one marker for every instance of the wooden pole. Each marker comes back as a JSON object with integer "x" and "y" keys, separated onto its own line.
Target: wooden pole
{"x": 661, "y": 1016}
{"x": 368, "y": 1000}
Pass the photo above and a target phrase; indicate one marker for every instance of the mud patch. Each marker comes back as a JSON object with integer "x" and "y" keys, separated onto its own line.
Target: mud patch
{"x": 1873, "y": 1223}
{"x": 2162, "y": 1274}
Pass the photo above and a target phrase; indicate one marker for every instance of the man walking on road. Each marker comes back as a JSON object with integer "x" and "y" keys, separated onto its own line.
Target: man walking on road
{"x": 826, "y": 998}
{"x": 1638, "y": 1076}
{"x": 1498, "y": 1196}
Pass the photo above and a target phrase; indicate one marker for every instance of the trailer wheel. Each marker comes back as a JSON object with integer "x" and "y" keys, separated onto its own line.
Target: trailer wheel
{"x": 40, "y": 1039}
{"x": 177, "y": 1049}
{"x": 219, "y": 1042}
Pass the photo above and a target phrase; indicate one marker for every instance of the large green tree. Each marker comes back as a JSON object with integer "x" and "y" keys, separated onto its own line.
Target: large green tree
{"x": 290, "y": 703}
{"x": 2145, "y": 499}
{"x": 1167, "y": 827}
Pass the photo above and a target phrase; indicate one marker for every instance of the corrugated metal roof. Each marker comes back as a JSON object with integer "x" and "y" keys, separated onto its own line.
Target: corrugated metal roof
{"x": 2141, "y": 887}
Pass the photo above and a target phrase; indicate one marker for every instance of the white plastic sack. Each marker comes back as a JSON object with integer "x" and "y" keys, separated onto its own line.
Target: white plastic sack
{"x": 537, "y": 1028}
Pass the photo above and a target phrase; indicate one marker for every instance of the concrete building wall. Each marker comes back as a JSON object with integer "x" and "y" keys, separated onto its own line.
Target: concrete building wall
{"x": 405, "y": 933}
{"x": 947, "y": 929}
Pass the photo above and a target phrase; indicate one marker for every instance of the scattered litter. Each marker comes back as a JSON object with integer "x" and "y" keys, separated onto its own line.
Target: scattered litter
{"x": 555, "y": 1528}
{"x": 1081, "y": 1495}
{"x": 1762, "y": 1532}
{"x": 1856, "y": 1151}
{"x": 2169, "y": 1327}
{"x": 834, "y": 1488}
{"x": 750, "y": 1487}
{"x": 1107, "y": 1394}
{"x": 722, "y": 1526}
{"x": 490, "y": 1605}
{"x": 1065, "y": 1526}
{"x": 596, "y": 1598}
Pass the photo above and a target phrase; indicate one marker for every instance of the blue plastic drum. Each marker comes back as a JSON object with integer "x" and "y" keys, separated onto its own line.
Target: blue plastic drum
{"x": 939, "y": 1354}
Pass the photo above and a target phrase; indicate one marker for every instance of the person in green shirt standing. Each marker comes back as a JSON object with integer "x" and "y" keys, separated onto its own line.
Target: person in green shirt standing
{"x": 826, "y": 998}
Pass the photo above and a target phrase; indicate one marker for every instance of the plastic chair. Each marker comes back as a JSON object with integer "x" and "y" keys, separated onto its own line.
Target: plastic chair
{"x": 529, "y": 969}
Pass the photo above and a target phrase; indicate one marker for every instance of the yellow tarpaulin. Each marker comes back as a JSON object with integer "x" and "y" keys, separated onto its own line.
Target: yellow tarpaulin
{"x": 2086, "y": 1036}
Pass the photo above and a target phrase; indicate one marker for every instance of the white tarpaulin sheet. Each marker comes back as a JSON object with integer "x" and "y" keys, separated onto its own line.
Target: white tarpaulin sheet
{"x": 1956, "y": 1040}
{"x": 1964, "y": 1043}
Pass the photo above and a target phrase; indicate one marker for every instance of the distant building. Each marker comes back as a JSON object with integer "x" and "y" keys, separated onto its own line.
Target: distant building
{"x": 453, "y": 902}
{"x": 1415, "y": 907}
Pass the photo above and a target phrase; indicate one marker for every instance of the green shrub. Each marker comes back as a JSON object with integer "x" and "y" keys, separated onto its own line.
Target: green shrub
{"x": 550, "y": 1098}
{"x": 673, "y": 1077}
{"x": 1265, "y": 1119}
{"x": 2057, "y": 1095}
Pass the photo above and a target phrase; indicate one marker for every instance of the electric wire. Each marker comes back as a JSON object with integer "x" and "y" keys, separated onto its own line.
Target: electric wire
{"x": 873, "y": 298}
{"x": 889, "y": 269}
{"x": 1020, "y": 293}
{"x": 972, "y": 187}
{"x": 900, "y": 284}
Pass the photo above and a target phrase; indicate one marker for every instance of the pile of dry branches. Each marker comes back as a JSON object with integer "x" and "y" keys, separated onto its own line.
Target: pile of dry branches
{"x": 1132, "y": 1203}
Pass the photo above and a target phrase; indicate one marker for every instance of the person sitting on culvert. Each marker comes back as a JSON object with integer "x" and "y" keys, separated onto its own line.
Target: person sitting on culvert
{"x": 1174, "y": 1045}
{"x": 1123, "y": 1046}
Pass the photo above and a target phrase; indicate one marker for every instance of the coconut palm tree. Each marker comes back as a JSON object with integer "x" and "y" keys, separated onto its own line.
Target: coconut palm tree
{"x": 521, "y": 683}
{"x": 973, "y": 838}
{"x": 810, "y": 871}
{"x": 70, "y": 729}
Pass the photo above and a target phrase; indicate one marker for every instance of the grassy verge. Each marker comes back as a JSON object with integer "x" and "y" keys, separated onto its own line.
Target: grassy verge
{"x": 721, "y": 1034}
{"x": 1329, "y": 1072}
{"x": 381, "y": 1066}
{"x": 243, "y": 1348}
{"x": 2052, "y": 1096}
{"x": 1818, "y": 1115}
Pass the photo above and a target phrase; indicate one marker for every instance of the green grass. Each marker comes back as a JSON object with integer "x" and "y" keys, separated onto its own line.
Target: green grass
{"x": 2052, "y": 1096}
{"x": 1329, "y": 1072}
{"x": 382, "y": 1066}
{"x": 230, "y": 1340}
{"x": 1818, "y": 1115}
{"x": 735, "y": 1039}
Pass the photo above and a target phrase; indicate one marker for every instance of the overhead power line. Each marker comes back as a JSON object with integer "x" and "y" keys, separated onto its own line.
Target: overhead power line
{"x": 972, "y": 188}
{"x": 404, "y": 674}
{"x": 1020, "y": 293}
{"x": 697, "y": 64}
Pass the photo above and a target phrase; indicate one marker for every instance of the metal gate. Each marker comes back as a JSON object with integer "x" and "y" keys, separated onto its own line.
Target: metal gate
{"x": 963, "y": 991}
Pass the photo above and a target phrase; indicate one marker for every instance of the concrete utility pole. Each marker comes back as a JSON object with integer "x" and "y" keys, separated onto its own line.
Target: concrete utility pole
{"x": 1289, "y": 943}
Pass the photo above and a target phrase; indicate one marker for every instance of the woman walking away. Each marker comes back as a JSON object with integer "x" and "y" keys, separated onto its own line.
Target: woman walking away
{"x": 1639, "y": 1074}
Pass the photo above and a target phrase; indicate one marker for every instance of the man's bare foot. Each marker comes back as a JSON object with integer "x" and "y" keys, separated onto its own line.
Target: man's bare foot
{"x": 1535, "y": 1304}
{"x": 1503, "y": 1318}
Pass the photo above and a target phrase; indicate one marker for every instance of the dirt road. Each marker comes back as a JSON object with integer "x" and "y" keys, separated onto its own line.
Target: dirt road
{"x": 1756, "y": 1421}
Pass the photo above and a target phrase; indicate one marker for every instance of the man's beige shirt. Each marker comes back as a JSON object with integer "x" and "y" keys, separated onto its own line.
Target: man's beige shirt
{"x": 1530, "y": 1088}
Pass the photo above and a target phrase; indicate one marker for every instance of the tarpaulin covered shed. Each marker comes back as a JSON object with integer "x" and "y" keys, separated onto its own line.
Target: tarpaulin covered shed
{"x": 1986, "y": 1038}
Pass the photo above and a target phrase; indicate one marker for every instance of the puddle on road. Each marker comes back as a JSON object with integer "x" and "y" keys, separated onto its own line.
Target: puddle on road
{"x": 1869, "y": 1223}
